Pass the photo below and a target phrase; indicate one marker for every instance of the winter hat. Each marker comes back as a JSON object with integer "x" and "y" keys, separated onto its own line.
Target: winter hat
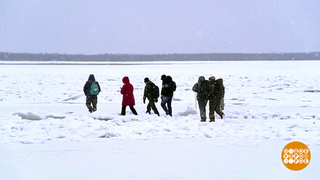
{"x": 163, "y": 77}
{"x": 212, "y": 78}
{"x": 146, "y": 80}
{"x": 201, "y": 78}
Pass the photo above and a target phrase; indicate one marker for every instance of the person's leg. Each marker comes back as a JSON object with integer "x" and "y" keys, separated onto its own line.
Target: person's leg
{"x": 133, "y": 110}
{"x": 94, "y": 104}
{"x": 164, "y": 101}
{"x": 153, "y": 107}
{"x": 211, "y": 111}
{"x": 220, "y": 113}
{"x": 169, "y": 106}
{"x": 217, "y": 107}
{"x": 202, "y": 108}
{"x": 149, "y": 107}
{"x": 123, "y": 110}
{"x": 88, "y": 104}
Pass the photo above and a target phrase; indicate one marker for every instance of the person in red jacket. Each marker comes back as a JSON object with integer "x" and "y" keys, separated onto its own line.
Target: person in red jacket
{"x": 128, "y": 98}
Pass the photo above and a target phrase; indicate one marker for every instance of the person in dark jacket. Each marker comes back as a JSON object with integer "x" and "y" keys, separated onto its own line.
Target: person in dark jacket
{"x": 148, "y": 93}
{"x": 201, "y": 97}
{"x": 168, "y": 87}
{"x": 128, "y": 97}
{"x": 163, "y": 77}
{"x": 216, "y": 94}
{"x": 91, "y": 99}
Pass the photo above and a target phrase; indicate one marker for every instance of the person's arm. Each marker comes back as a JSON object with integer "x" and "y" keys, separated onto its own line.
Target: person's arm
{"x": 195, "y": 87}
{"x": 85, "y": 89}
{"x": 123, "y": 89}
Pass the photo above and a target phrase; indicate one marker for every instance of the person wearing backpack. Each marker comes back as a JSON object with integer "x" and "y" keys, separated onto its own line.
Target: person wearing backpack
{"x": 203, "y": 90}
{"x": 151, "y": 91}
{"x": 168, "y": 87}
{"x": 216, "y": 94}
{"x": 128, "y": 97}
{"x": 91, "y": 89}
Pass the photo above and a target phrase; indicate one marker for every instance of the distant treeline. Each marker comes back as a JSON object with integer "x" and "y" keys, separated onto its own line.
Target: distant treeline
{"x": 4, "y": 56}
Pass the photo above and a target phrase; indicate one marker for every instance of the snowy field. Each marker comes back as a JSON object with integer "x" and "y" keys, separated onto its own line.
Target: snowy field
{"x": 46, "y": 131}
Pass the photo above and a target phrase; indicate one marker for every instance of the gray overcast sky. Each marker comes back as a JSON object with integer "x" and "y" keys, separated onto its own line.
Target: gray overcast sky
{"x": 159, "y": 26}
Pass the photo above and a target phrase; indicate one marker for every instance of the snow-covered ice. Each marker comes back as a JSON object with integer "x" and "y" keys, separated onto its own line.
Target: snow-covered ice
{"x": 44, "y": 122}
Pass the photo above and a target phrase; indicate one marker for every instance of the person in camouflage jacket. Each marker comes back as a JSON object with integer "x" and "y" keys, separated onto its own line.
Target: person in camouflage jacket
{"x": 216, "y": 94}
{"x": 201, "y": 89}
{"x": 148, "y": 94}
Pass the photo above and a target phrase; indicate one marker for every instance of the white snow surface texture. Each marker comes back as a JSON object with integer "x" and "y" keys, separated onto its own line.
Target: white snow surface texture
{"x": 265, "y": 101}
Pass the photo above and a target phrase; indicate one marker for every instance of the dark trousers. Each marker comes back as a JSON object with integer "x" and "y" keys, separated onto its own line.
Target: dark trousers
{"x": 152, "y": 105}
{"x": 166, "y": 100}
{"x": 214, "y": 106}
{"x": 123, "y": 110}
{"x": 91, "y": 103}
{"x": 202, "y": 107}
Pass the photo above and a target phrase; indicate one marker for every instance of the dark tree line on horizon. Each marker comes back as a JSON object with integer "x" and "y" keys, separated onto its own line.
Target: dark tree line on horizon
{"x": 4, "y": 56}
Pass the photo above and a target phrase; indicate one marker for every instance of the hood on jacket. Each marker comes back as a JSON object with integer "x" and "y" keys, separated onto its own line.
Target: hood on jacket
{"x": 219, "y": 81}
{"x": 146, "y": 79}
{"x": 201, "y": 79}
{"x": 168, "y": 79}
{"x": 91, "y": 77}
{"x": 125, "y": 80}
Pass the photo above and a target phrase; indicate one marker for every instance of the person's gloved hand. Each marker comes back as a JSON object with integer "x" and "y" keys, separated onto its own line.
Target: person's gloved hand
{"x": 144, "y": 101}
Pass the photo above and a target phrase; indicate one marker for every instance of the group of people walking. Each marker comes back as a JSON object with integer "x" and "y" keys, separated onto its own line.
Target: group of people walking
{"x": 211, "y": 91}
{"x": 92, "y": 88}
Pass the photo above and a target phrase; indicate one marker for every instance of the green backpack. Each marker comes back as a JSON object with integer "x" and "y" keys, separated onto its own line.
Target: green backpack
{"x": 94, "y": 88}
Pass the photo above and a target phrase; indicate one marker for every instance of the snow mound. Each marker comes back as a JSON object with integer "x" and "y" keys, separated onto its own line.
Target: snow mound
{"x": 187, "y": 112}
{"x": 38, "y": 116}
{"x": 28, "y": 115}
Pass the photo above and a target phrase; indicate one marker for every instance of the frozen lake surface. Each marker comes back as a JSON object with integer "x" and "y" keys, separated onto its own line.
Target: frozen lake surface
{"x": 46, "y": 131}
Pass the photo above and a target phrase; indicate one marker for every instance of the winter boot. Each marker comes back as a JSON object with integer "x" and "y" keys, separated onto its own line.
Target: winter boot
{"x": 220, "y": 113}
{"x": 212, "y": 119}
{"x": 211, "y": 116}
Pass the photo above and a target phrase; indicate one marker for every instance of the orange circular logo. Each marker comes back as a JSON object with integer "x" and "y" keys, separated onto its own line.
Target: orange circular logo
{"x": 296, "y": 156}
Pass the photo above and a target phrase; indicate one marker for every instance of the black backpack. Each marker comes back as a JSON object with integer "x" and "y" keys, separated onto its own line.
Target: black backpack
{"x": 174, "y": 86}
{"x": 155, "y": 91}
{"x": 219, "y": 89}
{"x": 204, "y": 90}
